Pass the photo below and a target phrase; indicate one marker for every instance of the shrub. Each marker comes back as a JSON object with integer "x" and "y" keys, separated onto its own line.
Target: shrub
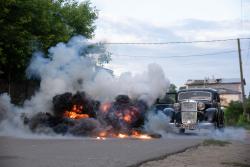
{"x": 234, "y": 114}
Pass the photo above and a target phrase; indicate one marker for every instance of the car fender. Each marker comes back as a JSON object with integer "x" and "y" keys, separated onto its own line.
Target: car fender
{"x": 168, "y": 111}
{"x": 210, "y": 114}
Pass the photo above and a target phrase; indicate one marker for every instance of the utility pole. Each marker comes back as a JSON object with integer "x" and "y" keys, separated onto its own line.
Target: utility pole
{"x": 242, "y": 82}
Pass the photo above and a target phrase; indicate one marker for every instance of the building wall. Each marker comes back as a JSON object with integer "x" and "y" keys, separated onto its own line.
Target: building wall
{"x": 227, "y": 98}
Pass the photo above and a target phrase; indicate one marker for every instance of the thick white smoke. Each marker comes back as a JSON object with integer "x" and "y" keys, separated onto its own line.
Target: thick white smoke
{"x": 67, "y": 68}
{"x": 10, "y": 118}
{"x": 148, "y": 85}
{"x": 5, "y": 107}
{"x": 158, "y": 123}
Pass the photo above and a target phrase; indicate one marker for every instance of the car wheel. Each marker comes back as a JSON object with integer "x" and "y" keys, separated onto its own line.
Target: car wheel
{"x": 181, "y": 130}
{"x": 220, "y": 123}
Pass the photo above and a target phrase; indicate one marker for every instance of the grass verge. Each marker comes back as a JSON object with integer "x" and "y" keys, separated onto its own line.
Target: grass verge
{"x": 212, "y": 142}
{"x": 236, "y": 164}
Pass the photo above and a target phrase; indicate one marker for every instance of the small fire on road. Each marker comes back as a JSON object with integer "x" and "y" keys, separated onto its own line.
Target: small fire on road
{"x": 134, "y": 135}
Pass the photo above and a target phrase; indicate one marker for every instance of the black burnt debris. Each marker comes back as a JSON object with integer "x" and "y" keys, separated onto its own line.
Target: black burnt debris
{"x": 80, "y": 102}
{"x": 124, "y": 114}
{"x": 78, "y": 114}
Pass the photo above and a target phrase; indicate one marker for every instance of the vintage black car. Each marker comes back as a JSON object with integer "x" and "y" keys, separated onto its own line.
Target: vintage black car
{"x": 194, "y": 108}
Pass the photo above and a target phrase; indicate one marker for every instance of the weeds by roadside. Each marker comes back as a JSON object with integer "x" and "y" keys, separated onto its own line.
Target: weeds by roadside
{"x": 234, "y": 114}
{"x": 235, "y": 164}
{"x": 212, "y": 142}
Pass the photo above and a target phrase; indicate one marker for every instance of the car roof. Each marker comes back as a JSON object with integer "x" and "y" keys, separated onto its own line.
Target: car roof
{"x": 199, "y": 89}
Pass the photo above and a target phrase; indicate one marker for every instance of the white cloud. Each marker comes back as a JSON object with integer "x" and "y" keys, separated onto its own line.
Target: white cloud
{"x": 167, "y": 20}
{"x": 164, "y": 11}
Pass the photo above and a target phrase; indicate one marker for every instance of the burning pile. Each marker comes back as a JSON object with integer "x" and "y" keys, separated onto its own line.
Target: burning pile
{"x": 78, "y": 114}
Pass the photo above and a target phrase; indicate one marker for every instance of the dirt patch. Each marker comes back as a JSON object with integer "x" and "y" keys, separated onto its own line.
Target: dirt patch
{"x": 212, "y": 153}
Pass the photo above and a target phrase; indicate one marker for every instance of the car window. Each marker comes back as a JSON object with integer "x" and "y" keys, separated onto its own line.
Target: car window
{"x": 195, "y": 95}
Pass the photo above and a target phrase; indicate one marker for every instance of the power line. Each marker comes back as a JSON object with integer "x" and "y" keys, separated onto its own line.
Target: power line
{"x": 166, "y": 57}
{"x": 173, "y": 42}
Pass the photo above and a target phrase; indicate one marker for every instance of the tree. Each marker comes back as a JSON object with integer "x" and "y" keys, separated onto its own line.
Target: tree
{"x": 103, "y": 56}
{"x": 32, "y": 25}
{"x": 172, "y": 88}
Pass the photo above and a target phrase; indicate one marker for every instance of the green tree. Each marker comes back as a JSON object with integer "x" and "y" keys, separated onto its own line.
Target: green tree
{"x": 31, "y": 25}
{"x": 172, "y": 88}
{"x": 103, "y": 55}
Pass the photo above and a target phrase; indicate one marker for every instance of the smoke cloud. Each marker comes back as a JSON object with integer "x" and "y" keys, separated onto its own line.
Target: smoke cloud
{"x": 68, "y": 70}
{"x": 68, "y": 67}
{"x": 158, "y": 123}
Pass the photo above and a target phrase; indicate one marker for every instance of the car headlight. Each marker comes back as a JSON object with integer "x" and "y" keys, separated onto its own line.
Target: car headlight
{"x": 201, "y": 106}
{"x": 177, "y": 106}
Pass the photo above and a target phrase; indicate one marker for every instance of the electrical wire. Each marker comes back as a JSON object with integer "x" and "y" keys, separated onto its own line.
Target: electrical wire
{"x": 166, "y": 43}
{"x": 166, "y": 57}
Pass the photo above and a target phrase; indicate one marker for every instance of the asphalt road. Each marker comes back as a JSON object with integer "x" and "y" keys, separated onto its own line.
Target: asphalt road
{"x": 86, "y": 152}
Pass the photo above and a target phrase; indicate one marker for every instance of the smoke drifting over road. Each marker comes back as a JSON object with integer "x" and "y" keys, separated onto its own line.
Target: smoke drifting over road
{"x": 156, "y": 123}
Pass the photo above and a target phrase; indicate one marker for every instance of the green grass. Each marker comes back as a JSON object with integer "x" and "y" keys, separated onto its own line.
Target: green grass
{"x": 246, "y": 126}
{"x": 212, "y": 142}
{"x": 236, "y": 164}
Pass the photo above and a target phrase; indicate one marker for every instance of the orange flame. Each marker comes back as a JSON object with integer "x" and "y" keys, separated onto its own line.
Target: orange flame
{"x": 75, "y": 113}
{"x": 103, "y": 134}
{"x": 105, "y": 107}
{"x": 134, "y": 135}
{"x": 127, "y": 118}
{"x": 142, "y": 136}
{"x": 130, "y": 114}
{"x": 121, "y": 135}
{"x": 138, "y": 135}
{"x": 100, "y": 138}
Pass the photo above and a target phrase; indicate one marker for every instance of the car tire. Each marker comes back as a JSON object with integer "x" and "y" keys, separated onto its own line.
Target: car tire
{"x": 182, "y": 130}
{"x": 220, "y": 123}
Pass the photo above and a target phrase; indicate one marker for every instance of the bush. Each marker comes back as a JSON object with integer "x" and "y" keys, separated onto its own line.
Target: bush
{"x": 243, "y": 122}
{"x": 234, "y": 114}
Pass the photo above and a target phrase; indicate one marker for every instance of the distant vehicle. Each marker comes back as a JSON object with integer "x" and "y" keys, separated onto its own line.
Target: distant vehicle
{"x": 194, "y": 108}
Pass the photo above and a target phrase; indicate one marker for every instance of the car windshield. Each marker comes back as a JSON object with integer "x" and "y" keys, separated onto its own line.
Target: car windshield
{"x": 195, "y": 95}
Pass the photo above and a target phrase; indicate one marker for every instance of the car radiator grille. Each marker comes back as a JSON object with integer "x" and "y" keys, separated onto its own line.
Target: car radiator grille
{"x": 189, "y": 117}
{"x": 189, "y": 106}
{"x": 189, "y": 112}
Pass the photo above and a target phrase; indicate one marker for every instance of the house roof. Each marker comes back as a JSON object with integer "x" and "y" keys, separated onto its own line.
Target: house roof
{"x": 227, "y": 91}
{"x": 213, "y": 81}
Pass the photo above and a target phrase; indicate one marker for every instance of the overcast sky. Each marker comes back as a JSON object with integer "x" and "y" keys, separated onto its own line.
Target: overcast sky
{"x": 176, "y": 20}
